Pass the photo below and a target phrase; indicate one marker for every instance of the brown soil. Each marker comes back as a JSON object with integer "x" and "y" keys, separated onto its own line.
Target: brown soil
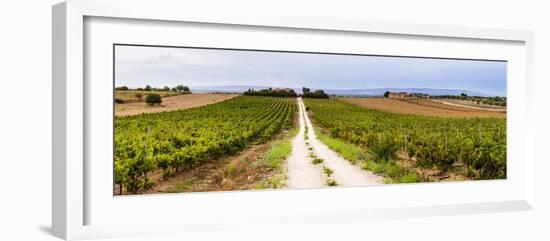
{"x": 216, "y": 175}
{"x": 241, "y": 171}
{"x": 170, "y": 104}
{"x": 422, "y": 107}
{"x": 457, "y": 172}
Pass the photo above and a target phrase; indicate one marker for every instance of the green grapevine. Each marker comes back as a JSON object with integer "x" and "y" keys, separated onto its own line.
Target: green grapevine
{"x": 479, "y": 143}
{"x": 178, "y": 140}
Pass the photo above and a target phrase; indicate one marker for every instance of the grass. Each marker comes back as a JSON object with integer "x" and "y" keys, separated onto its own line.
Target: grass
{"x": 393, "y": 172}
{"x": 274, "y": 158}
{"x": 231, "y": 168}
{"x": 331, "y": 182}
{"x": 349, "y": 151}
{"x": 184, "y": 186}
{"x": 292, "y": 133}
{"x": 327, "y": 171}
{"x": 277, "y": 153}
{"x": 275, "y": 182}
{"x": 316, "y": 161}
{"x": 380, "y": 162}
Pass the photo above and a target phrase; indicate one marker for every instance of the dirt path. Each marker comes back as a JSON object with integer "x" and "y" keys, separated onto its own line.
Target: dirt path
{"x": 446, "y": 102}
{"x": 300, "y": 171}
{"x": 303, "y": 174}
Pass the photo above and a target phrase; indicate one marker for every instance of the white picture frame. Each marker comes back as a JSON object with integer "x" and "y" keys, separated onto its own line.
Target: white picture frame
{"x": 72, "y": 193}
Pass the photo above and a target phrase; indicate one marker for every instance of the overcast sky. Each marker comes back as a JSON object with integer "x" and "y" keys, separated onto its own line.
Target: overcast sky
{"x": 137, "y": 66}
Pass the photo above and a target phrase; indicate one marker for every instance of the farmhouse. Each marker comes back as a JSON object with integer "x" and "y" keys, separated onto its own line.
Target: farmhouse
{"x": 402, "y": 95}
{"x": 397, "y": 95}
{"x": 419, "y": 95}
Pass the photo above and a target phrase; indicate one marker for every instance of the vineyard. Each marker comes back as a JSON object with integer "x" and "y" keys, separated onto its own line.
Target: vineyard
{"x": 175, "y": 141}
{"x": 434, "y": 142}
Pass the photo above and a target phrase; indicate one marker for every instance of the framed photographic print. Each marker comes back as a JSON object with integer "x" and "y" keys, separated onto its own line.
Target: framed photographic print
{"x": 177, "y": 121}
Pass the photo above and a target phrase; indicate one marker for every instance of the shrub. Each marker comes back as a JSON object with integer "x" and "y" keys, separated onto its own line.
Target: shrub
{"x": 410, "y": 178}
{"x": 119, "y": 101}
{"x": 384, "y": 150}
{"x": 231, "y": 168}
{"x": 394, "y": 171}
{"x": 139, "y": 96}
{"x": 373, "y": 166}
{"x": 152, "y": 99}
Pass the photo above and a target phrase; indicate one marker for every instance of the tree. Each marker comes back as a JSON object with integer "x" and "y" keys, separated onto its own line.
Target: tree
{"x": 166, "y": 88}
{"x": 180, "y": 87}
{"x": 287, "y": 92}
{"x": 315, "y": 94}
{"x": 153, "y": 99}
{"x": 386, "y": 94}
{"x": 186, "y": 89}
{"x": 124, "y": 87}
{"x": 148, "y": 88}
{"x": 463, "y": 94}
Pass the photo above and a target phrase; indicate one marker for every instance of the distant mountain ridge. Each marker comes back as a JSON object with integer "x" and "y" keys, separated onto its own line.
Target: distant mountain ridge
{"x": 342, "y": 92}
{"x": 380, "y": 91}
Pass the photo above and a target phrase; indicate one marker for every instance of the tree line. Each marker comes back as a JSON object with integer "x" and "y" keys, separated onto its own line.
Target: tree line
{"x": 287, "y": 92}
{"x": 496, "y": 100}
{"x": 178, "y": 88}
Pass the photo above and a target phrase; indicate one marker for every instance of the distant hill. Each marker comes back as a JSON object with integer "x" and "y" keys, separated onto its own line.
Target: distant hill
{"x": 380, "y": 91}
{"x": 340, "y": 92}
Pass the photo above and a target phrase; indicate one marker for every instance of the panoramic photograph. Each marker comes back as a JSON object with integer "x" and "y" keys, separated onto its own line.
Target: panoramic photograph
{"x": 204, "y": 120}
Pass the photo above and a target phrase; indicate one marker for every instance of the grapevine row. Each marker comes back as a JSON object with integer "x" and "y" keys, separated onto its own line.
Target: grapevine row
{"x": 178, "y": 140}
{"x": 477, "y": 143}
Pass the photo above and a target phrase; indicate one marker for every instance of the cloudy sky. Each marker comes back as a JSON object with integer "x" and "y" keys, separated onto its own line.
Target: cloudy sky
{"x": 137, "y": 66}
